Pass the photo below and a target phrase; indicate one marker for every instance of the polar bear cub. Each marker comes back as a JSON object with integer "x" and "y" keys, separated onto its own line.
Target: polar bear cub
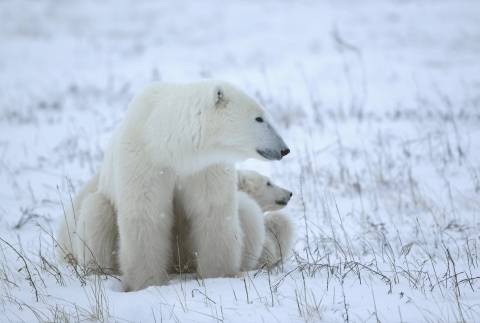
{"x": 172, "y": 133}
{"x": 266, "y": 239}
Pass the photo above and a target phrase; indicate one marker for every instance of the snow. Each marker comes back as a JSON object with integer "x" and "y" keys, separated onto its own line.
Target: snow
{"x": 379, "y": 102}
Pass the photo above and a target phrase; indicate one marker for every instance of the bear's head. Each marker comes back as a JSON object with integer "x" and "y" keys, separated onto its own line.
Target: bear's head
{"x": 194, "y": 125}
{"x": 269, "y": 196}
{"x": 235, "y": 127}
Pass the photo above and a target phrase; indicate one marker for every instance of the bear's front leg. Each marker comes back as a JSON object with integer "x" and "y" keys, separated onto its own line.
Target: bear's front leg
{"x": 209, "y": 201}
{"x": 253, "y": 227}
{"x": 97, "y": 233}
{"x": 145, "y": 219}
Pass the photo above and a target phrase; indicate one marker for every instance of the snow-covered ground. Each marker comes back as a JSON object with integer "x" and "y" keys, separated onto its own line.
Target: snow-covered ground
{"x": 378, "y": 100}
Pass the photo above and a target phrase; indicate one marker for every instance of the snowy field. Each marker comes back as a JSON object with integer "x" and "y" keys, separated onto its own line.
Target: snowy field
{"x": 379, "y": 102}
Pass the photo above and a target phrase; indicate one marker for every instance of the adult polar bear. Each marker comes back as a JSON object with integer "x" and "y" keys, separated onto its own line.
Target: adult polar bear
{"x": 178, "y": 135}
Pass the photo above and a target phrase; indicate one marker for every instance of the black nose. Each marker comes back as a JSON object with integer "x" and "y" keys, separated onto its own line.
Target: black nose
{"x": 284, "y": 152}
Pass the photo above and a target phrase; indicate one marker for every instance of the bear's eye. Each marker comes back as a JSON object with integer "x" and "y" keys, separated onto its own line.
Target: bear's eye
{"x": 269, "y": 184}
{"x": 259, "y": 119}
{"x": 220, "y": 101}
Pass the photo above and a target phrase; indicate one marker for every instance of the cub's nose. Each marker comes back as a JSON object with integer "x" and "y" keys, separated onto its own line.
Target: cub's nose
{"x": 284, "y": 152}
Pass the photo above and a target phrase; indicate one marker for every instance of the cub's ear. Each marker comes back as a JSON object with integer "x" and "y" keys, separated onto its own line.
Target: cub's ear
{"x": 220, "y": 100}
{"x": 245, "y": 183}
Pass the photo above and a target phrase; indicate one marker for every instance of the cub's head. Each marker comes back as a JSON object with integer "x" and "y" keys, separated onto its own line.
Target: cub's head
{"x": 236, "y": 128}
{"x": 269, "y": 196}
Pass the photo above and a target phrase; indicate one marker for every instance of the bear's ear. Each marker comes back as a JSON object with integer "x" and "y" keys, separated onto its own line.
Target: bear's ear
{"x": 220, "y": 100}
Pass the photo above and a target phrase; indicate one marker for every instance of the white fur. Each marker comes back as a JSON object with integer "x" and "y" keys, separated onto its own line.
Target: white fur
{"x": 172, "y": 133}
{"x": 262, "y": 239}
{"x": 269, "y": 196}
{"x": 97, "y": 232}
{"x": 251, "y": 219}
{"x": 89, "y": 231}
{"x": 276, "y": 231}
{"x": 278, "y": 241}
{"x": 215, "y": 240}
{"x": 67, "y": 233}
